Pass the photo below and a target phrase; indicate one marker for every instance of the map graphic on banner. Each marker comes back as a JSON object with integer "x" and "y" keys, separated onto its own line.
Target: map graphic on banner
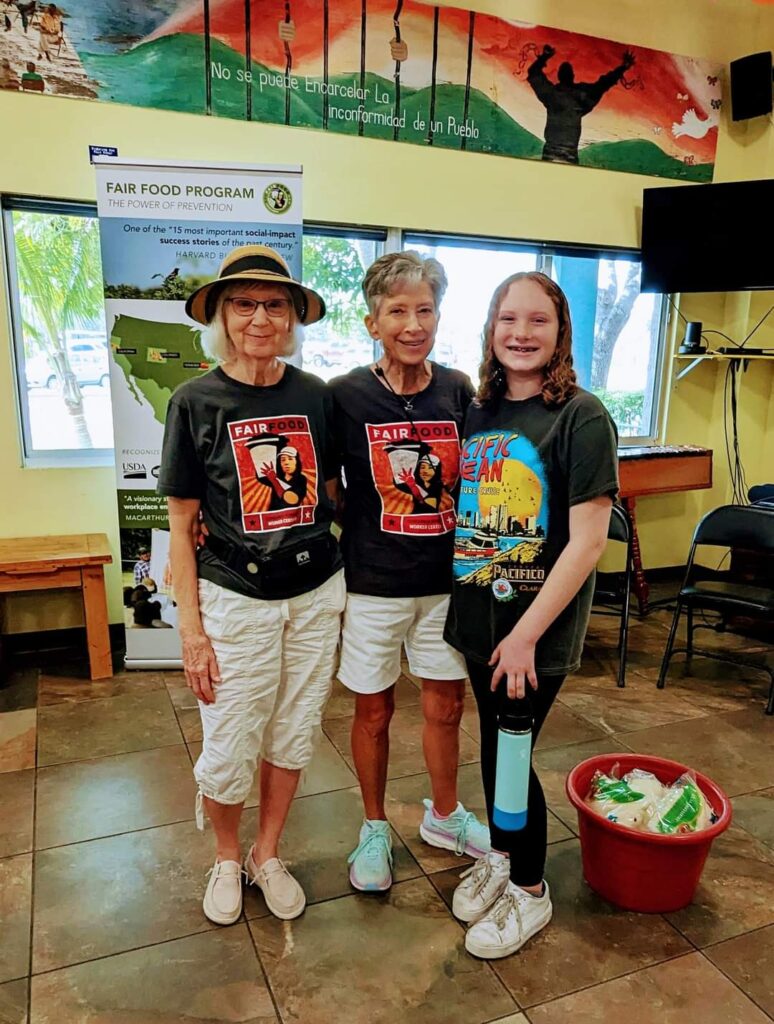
{"x": 403, "y": 70}
{"x": 164, "y": 231}
{"x": 155, "y": 357}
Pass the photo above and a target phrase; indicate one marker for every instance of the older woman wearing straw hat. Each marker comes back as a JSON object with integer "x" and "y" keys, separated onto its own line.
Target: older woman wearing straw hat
{"x": 248, "y": 454}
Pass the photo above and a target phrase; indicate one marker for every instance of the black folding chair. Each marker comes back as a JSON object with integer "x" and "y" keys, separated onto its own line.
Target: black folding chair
{"x": 615, "y": 588}
{"x": 747, "y": 527}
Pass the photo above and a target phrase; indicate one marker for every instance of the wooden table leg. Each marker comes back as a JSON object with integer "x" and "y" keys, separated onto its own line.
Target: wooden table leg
{"x": 641, "y": 588}
{"x": 97, "y": 632}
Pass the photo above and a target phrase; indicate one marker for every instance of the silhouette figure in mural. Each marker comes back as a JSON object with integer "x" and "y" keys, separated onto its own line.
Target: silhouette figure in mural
{"x": 568, "y": 101}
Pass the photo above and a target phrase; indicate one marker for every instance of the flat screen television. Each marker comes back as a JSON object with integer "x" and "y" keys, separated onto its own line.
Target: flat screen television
{"x": 708, "y": 238}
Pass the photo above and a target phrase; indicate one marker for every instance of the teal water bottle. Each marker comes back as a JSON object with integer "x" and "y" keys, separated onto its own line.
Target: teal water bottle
{"x": 514, "y": 747}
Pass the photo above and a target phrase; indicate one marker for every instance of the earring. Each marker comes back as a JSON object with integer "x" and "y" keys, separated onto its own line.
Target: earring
{"x": 499, "y": 376}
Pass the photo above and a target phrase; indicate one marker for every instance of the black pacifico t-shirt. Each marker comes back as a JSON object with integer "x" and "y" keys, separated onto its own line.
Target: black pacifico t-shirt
{"x": 257, "y": 458}
{"x": 523, "y": 466}
{"x": 401, "y": 472}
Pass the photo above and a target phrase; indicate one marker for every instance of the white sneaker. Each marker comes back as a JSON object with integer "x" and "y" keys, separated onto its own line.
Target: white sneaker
{"x": 223, "y": 897}
{"x": 481, "y": 887}
{"x": 515, "y": 918}
{"x": 284, "y": 896}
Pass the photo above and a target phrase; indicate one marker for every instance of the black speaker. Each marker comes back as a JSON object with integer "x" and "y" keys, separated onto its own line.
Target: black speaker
{"x": 751, "y": 86}
{"x": 692, "y": 340}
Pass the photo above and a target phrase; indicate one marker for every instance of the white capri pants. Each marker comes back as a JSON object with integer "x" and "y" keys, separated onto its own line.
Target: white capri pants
{"x": 276, "y": 662}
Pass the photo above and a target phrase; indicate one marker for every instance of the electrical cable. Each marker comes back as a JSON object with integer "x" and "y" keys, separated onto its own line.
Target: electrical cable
{"x": 733, "y": 449}
{"x": 722, "y": 335}
{"x": 756, "y": 326}
{"x": 677, "y": 309}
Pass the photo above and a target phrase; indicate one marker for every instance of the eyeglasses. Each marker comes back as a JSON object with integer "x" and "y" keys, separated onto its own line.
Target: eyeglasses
{"x": 276, "y": 308}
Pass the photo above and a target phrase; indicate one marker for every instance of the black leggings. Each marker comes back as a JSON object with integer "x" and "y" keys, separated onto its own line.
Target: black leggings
{"x": 527, "y": 847}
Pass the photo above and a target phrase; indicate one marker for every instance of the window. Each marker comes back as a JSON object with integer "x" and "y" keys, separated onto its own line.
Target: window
{"x": 61, "y": 352}
{"x": 616, "y": 331}
{"x": 335, "y": 262}
{"x": 58, "y": 325}
{"x": 617, "y": 336}
{"x": 473, "y": 268}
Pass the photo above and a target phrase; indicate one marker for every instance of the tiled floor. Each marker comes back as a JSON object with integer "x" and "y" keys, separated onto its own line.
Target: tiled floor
{"x": 102, "y": 869}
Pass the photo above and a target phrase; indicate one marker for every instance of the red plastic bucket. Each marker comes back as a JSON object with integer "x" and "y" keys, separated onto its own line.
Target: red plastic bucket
{"x": 642, "y": 871}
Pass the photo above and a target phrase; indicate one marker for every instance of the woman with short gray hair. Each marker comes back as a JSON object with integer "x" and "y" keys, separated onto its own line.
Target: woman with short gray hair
{"x": 398, "y": 425}
{"x": 248, "y": 449}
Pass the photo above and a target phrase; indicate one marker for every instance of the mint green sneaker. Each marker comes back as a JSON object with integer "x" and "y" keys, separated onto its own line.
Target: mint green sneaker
{"x": 461, "y": 832}
{"x": 371, "y": 863}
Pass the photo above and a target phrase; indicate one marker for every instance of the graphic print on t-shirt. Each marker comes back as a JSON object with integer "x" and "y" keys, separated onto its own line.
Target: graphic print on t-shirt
{"x": 502, "y": 517}
{"x": 277, "y": 471}
{"x": 415, "y": 468}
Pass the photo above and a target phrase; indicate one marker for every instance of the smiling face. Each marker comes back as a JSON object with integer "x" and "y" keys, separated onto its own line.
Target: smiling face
{"x": 526, "y": 330}
{"x": 256, "y": 335}
{"x": 405, "y": 322}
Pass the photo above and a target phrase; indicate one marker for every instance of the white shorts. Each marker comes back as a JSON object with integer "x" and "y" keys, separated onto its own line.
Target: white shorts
{"x": 375, "y": 629}
{"x": 276, "y": 662}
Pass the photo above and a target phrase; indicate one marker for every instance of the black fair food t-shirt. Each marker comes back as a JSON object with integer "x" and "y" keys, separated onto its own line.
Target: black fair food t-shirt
{"x": 401, "y": 470}
{"x": 257, "y": 458}
{"x": 523, "y": 466}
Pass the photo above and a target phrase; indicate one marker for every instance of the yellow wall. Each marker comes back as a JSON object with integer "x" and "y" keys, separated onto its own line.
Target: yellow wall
{"x": 359, "y": 181}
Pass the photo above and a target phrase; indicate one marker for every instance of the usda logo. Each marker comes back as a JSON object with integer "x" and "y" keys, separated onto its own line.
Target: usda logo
{"x": 277, "y": 198}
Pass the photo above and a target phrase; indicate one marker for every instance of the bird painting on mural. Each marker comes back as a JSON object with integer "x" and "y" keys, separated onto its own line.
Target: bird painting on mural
{"x": 693, "y": 126}
{"x": 168, "y": 278}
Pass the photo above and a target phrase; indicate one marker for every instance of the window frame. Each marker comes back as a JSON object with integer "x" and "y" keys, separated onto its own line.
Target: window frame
{"x": 545, "y": 252}
{"x": 392, "y": 239}
{"x": 41, "y": 458}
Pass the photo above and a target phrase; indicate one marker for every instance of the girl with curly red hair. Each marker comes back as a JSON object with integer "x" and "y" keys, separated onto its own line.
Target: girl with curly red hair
{"x": 539, "y": 475}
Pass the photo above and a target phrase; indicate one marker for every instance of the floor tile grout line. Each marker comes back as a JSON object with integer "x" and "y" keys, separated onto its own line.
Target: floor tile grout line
{"x": 264, "y": 972}
{"x": 617, "y": 977}
{"x": 486, "y": 963}
{"x": 735, "y": 983}
{"x": 732, "y": 938}
{"x": 101, "y": 757}
{"x": 33, "y": 858}
{"x": 206, "y": 929}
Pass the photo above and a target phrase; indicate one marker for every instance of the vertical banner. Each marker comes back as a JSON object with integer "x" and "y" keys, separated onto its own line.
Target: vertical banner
{"x": 164, "y": 230}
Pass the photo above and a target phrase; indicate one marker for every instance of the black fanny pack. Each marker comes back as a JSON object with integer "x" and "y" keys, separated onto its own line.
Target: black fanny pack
{"x": 295, "y": 567}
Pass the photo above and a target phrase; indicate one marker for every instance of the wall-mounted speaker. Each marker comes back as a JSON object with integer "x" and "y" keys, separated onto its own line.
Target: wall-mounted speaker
{"x": 751, "y": 86}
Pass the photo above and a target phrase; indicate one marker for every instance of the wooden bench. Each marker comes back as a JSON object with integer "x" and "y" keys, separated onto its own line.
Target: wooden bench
{"x": 53, "y": 563}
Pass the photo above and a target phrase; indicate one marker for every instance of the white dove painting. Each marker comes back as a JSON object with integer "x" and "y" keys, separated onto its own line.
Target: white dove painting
{"x": 694, "y": 126}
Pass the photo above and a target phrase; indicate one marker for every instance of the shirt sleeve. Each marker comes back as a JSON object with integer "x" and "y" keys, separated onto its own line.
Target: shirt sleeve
{"x": 593, "y": 460}
{"x": 182, "y": 473}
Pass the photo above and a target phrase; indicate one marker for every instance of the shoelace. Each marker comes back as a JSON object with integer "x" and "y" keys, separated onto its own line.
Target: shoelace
{"x": 479, "y": 874}
{"x": 219, "y": 865}
{"x": 506, "y": 903}
{"x": 462, "y": 835}
{"x": 370, "y": 846}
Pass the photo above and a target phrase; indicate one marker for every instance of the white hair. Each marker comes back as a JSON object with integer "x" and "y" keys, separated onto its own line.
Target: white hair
{"x": 219, "y": 346}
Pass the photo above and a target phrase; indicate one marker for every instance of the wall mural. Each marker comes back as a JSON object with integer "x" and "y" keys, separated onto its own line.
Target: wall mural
{"x": 401, "y": 70}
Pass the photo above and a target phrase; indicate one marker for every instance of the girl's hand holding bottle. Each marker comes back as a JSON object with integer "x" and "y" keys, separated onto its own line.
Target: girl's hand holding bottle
{"x": 514, "y": 658}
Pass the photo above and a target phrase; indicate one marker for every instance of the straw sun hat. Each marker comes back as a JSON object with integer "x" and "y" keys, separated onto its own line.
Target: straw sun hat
{"x": 255, "y": 264}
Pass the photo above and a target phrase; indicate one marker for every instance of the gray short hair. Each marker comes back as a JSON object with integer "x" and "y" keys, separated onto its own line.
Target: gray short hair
{"x": 215, "y": 340}
{"x": 394, "y": 269}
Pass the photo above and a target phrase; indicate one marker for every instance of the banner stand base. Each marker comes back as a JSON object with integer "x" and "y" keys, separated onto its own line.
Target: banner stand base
{"x": 165, "y": 664}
